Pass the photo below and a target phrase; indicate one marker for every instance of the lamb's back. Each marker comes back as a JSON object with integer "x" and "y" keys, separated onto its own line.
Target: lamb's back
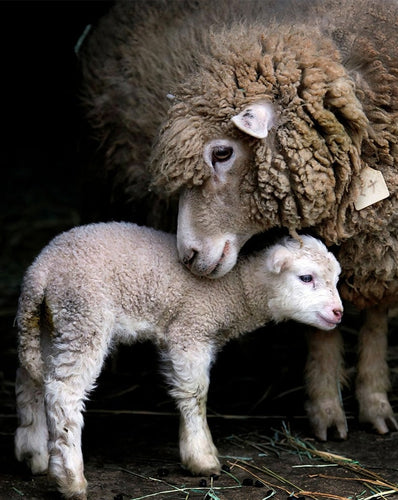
{"x": 106, "y": 262}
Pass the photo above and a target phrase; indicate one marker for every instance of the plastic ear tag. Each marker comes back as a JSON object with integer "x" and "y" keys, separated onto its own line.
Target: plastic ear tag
{"x": 373, "y": 188}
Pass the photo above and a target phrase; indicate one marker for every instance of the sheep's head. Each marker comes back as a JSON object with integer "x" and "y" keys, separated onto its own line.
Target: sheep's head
{"x": 257, "y": 140}
{"x": 218, "y": 210}
{"x": 213, "y": 222}
{"x": 303, "y": 283}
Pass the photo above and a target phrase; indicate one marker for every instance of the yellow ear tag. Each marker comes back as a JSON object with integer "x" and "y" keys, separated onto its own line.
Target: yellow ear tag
{"x": 373, "y": 188}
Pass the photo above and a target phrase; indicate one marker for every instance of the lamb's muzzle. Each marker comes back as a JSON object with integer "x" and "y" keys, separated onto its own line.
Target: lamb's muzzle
{"x": 332, "y": 317}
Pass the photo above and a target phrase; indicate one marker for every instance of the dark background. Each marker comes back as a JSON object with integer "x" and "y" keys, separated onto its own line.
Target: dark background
{"x": 41, "y": 186}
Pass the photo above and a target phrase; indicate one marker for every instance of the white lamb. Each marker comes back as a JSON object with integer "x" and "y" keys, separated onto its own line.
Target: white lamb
{"x": 100, "y": 284}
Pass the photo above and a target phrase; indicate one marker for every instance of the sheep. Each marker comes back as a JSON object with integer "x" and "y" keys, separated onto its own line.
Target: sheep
{"x": 257, "y": 115}
{"x": 101, "y": 284}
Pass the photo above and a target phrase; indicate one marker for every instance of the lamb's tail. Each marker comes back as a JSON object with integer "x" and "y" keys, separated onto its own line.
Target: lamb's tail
{"x": 29, "y": 322}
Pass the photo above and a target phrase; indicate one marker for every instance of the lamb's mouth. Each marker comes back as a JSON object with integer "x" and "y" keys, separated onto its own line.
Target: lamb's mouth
{"x": 329, "y": 323}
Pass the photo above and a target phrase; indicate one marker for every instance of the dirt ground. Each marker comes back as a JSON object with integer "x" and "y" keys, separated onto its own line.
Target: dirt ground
{"x": 258, "y": 424}
{"x": 136, "y": 457}
{"x": 256, "y": 401}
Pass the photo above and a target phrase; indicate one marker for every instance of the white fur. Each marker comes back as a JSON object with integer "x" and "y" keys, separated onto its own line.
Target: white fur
{"x": 106, "y": 283}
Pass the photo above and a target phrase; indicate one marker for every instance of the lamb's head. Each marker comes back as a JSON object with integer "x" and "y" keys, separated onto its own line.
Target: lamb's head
{"x": 265, "y": 134}
{"x": 304, "y": 282}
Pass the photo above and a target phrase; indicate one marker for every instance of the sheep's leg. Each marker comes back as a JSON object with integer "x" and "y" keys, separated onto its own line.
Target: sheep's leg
{"x": 373, "y": 380}
{"x": 70, "y": 376}
{"x": 324, "y": 374}
{"x": 31, "y": 437}
{"x": 188, "y": 375}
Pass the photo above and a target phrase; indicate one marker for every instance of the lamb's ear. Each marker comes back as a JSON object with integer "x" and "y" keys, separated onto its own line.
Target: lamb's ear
{"x": 255, "y": 120}
{"x": 278, "y": 259}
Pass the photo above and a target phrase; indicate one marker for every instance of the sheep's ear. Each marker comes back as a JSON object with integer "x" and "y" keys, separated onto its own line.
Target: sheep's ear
{"x": 278, "y": 259}
{"x": 255, "y": 120}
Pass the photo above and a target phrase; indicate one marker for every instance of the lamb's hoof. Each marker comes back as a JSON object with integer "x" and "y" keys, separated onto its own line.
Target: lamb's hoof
{"x": 71, "y": 487}
{"x": 327, "y": 414}
{"x": 27, "y": 451}
{"x": 37, "y": 463}
{"x": 207, "y": 467}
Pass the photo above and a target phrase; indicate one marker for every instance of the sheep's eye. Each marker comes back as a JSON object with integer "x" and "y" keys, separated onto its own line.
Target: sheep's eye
{"x": 306, "y": 278}
{"x": 221, "y": 153}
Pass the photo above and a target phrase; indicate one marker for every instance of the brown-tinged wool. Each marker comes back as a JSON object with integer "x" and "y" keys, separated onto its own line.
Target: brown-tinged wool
{"x": 295, "y": 185}
{"x": 330, "y": 68}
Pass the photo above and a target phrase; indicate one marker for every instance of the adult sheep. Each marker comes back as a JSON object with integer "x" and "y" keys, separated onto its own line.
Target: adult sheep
{"x": 260, "y": 114}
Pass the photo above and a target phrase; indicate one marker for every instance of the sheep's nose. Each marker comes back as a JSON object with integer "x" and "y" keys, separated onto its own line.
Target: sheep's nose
{"x": 189, "y": 257}
{"x": 338, "y": 314}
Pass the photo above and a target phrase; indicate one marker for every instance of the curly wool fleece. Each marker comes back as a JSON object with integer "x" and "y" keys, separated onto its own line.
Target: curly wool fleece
{"x": 333, "y": 83}
{"x": 310, "y": 94}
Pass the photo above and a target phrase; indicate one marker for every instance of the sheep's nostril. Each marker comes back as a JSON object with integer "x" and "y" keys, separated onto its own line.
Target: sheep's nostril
{"x": 189, "y": 257}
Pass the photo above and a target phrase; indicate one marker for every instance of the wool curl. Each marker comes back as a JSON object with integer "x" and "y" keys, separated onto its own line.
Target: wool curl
{"x": 304, "y": 173}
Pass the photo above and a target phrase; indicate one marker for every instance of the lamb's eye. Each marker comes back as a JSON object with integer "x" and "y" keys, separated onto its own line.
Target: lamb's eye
{"x": 306, "y": 278}
{"x": 221, "y": 153}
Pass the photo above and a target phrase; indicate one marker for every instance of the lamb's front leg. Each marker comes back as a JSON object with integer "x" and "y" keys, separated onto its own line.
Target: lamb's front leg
{"x": 188, "y": 374}
{"x": 373, "y": 380}
{"x": 324, "y": 374}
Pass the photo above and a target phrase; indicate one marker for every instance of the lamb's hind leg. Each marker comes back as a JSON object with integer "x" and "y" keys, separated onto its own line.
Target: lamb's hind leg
{"x": 188, "y": 374}
{"x": 373, "y": 380}
{"x": 71, "y": 375}
{"x": 31, "y": 437}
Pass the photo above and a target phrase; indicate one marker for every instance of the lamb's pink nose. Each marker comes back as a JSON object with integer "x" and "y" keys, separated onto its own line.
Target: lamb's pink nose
{"x": 338, "y": 314}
